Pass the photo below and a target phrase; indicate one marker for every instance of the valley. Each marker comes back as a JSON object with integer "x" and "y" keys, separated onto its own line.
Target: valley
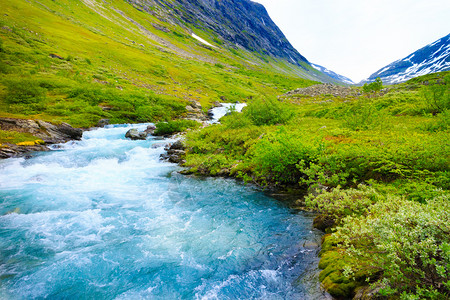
{"x": 363, "y": 171}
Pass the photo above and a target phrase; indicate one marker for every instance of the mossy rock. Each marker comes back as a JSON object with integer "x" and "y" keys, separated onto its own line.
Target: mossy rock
{"x": 341, "y": 290}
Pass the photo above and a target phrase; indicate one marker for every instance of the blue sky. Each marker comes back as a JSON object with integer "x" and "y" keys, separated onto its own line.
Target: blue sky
{"x": 357, "y": 38}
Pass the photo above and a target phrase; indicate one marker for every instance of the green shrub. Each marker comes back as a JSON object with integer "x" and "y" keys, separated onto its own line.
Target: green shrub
{"x": 408, "y": 241}
{"x": 339, "y": 203}
{"x": 437, "y": 96}
{"x": 375, "y": 86}
{"x": 171, "y": 127}
{"x": 276, "y": 156}
{"x": 361, "y": 115}
{"x": 268, "y": 112}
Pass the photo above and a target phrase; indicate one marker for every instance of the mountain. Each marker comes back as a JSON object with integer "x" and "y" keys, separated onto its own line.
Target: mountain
{"x": 237, "y": 23}
{"x": 432, "y": 58}
{"x": 140, "y": 60}
{"x": 332, "y": 74}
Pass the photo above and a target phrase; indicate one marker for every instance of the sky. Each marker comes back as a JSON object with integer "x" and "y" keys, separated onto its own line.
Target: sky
{"x": 356, "y": 38}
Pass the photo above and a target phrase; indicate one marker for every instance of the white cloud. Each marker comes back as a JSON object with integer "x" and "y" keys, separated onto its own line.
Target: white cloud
{"x": 356, "y": 38}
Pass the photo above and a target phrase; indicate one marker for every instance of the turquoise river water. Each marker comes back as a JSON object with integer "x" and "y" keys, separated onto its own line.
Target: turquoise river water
{"x": 104, "y": 218}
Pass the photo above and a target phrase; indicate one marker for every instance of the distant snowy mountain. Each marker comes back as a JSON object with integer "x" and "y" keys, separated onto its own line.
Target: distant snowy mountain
{"x": 332, "y": 74}
{"x": 430, "y": 59}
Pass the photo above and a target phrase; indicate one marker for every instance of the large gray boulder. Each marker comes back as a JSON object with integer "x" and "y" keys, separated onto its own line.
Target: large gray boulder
{"x": 135, "y": 134}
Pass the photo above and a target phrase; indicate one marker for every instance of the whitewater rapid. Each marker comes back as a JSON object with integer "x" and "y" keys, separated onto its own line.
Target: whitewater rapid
{"x": 104, "y": 218}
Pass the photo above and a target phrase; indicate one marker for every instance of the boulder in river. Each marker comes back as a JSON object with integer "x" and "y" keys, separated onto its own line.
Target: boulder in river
{"x": 150, "y": 129}
{"x": 135, "y": 134}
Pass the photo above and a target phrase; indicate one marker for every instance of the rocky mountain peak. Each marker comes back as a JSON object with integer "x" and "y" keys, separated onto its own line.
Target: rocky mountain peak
{"x": 238, "y": 23}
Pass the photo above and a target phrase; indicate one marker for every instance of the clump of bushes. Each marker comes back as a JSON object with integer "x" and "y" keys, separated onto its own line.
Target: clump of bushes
{"x": 375, "y": 86}
{"x": 268, "y": 112}
{"x": 407, "y": 241}
{"x": 276, "y": 156}
{"x": 171, "y": 127}
{"x": 400, "y": 246}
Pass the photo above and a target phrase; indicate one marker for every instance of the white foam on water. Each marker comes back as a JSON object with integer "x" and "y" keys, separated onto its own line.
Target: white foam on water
{"x": 105, "y": 218}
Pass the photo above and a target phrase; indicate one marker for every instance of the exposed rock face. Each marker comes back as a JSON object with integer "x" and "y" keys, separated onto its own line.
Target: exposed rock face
{"x": 48, "y": 132}
{"x": 150, "y": 129}
{"x": 195, "y": 112}
{"x": 241, "y": 23}
{"x": 11, "y": 150}
{"x": 135, "y": 134}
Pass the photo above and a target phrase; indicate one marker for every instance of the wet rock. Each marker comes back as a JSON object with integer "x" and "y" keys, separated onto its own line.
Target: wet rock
{"x": 11, "y": 150}
{"x": 103, "y": 122}
{"x": 175, "y": 152}
{"x": 217, "y": 103}
{"x": 178, "y": 145}
{"x": 135, "y": 134}
{"x": 150, "y": 129}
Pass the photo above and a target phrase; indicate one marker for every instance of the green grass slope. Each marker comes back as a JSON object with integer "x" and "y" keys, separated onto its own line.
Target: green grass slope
{"x": 80, "y": 61}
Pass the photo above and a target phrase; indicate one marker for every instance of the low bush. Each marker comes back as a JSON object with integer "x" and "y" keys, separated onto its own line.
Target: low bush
{"x": 339, "y": 203}
{"x": 269, "y": 112}
{"x": 407, "y": 241}
{"x": 171, "y": 127}
{"x": 277, "y": 154}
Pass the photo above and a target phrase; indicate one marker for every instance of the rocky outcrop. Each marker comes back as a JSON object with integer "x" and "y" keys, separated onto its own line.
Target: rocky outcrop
{"x": 175, "y": 153}
{"x": 195, "y": 112}
{"x": 135, "y": 134}
{"x": 102, "y": 122}
{"x": 238, "y": 23}
{"x": 12, "y": 150}
{"x": 49, "y": 134}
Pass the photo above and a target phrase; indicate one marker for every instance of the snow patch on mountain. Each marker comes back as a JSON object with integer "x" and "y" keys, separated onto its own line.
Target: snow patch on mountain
{"x": 202, "y": 40}
{"x": 332, "y": 74}
{"x": 429, "y": 59}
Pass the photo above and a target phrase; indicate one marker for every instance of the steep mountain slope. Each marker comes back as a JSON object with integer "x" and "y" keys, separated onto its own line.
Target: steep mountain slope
{"x": 332, "y": 74}
{"x": 432, "y": 58}
{"x": 239, "y": 23}
{"x": 137, "y": 61}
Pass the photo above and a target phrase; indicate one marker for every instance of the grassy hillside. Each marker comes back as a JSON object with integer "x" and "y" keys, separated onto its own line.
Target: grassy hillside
{"x": 81, "y": 61}
{"x": 380, "y": 160}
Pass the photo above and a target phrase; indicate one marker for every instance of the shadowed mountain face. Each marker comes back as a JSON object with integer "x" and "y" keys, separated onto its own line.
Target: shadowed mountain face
{"x": 240, "y": 23}
{"x": 432, "y": 58}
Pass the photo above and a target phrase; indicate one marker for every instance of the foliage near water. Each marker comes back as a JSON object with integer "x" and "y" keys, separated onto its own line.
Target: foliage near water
{"x": 384, "y": 159}
{"x": 175, "y": 126}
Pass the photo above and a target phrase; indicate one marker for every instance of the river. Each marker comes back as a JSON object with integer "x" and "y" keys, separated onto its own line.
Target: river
{"x": 104, "y": 218}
